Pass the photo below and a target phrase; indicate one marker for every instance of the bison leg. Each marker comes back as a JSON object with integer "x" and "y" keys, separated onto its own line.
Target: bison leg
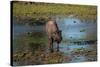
{"x": 57, "y": 47}
{"x": 51, "y": 44}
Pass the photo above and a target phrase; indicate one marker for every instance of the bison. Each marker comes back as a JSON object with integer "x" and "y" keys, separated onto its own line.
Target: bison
{"x": 54, "y": 34}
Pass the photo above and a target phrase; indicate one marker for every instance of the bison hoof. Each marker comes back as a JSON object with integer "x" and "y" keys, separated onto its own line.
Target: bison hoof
{"x": 51, "y": 51}
{"x": 57, "y": 50}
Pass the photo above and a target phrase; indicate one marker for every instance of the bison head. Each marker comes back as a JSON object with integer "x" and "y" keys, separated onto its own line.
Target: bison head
{"x": 57, "y": 36}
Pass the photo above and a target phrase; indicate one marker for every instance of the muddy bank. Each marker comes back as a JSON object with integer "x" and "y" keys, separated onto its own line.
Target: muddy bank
{"x": 29, "y": 20}
{"x": 37, "y": 58}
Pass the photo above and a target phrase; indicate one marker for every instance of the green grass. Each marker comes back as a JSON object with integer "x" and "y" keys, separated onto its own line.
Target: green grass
{"x": 48, "y": 10}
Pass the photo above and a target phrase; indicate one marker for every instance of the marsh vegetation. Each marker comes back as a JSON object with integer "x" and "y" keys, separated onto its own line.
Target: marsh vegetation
{"x": 40, "y": 12}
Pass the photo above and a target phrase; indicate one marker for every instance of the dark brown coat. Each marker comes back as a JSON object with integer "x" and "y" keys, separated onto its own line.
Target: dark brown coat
{"x": 53, "y": 33}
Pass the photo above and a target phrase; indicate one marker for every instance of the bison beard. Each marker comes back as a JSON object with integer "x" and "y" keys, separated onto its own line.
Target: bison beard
{"x": 54, "y": 34}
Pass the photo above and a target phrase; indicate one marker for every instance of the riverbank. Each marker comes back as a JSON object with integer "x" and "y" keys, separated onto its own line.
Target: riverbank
{"x": 41, "y": 12}
{"x": 37, "y": 58}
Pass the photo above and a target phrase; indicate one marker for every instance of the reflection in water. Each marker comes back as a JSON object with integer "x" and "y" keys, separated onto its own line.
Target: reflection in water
{"x": 21, "y": 29}
{"x": 71, "y": 28}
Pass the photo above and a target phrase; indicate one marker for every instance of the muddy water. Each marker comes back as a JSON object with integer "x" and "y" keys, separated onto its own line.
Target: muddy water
{"x": 72, "y": 30}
